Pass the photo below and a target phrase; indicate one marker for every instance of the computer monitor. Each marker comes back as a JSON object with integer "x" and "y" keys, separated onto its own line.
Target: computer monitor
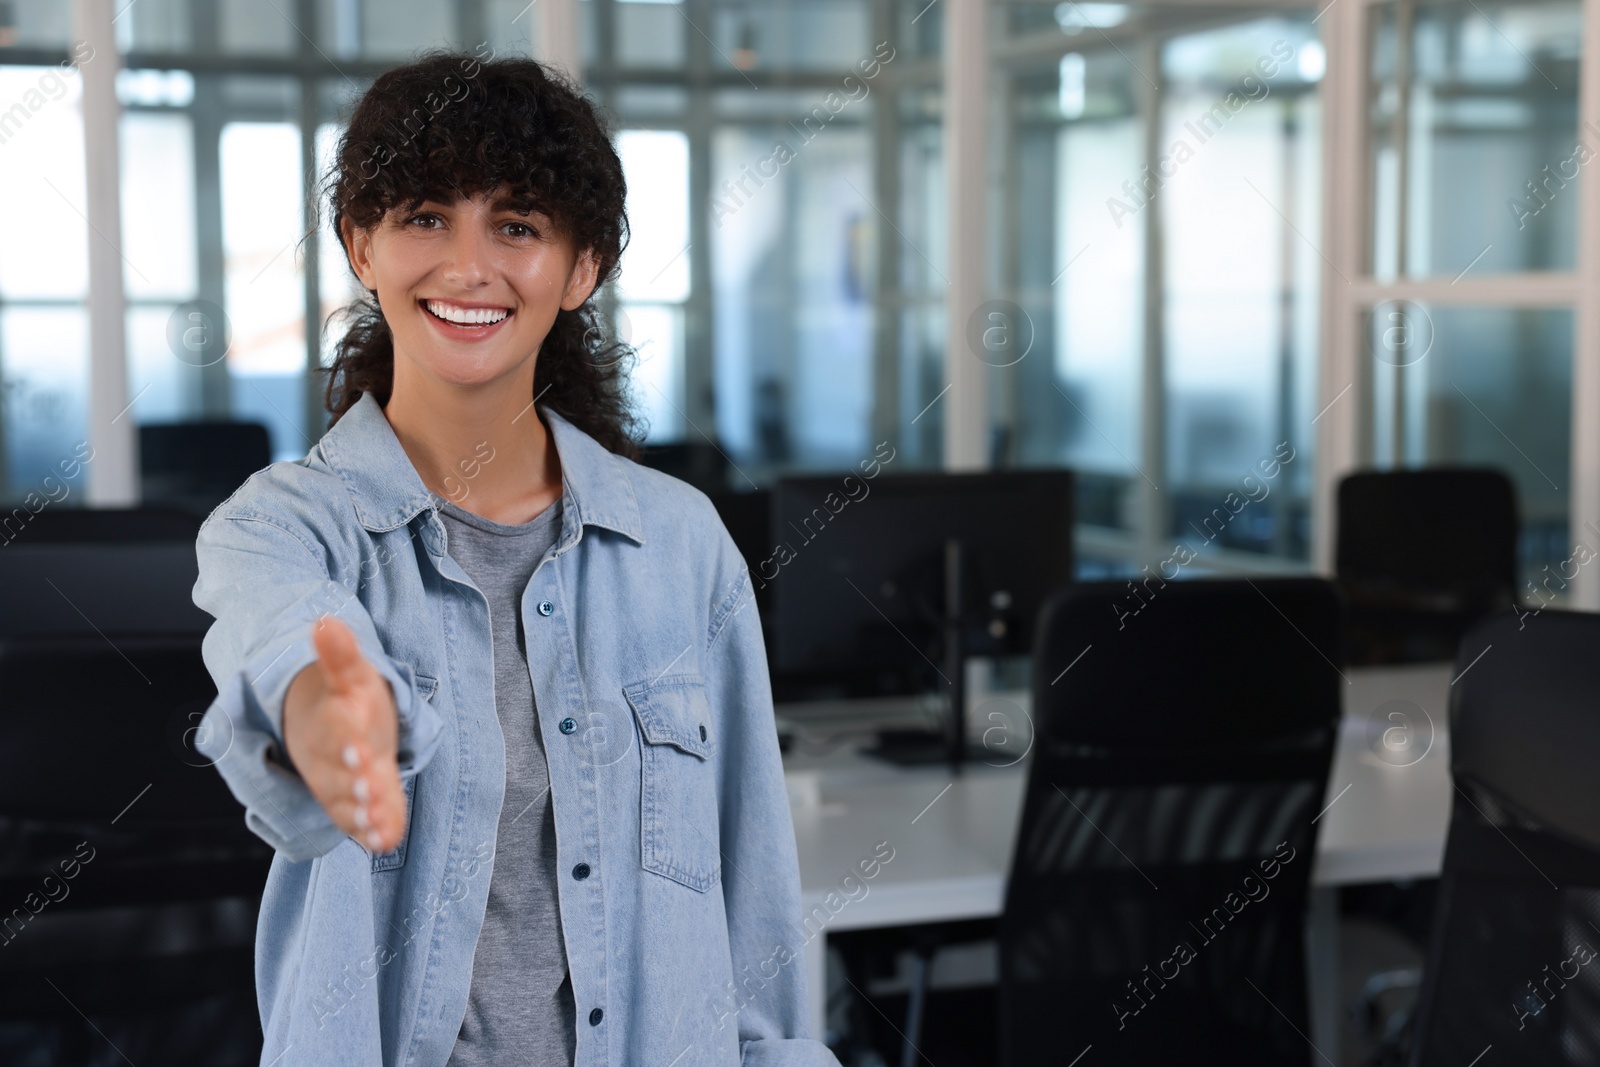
{"x": 884, "y": 586}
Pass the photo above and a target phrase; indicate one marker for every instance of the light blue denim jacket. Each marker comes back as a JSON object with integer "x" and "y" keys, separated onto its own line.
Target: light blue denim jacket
{"x": 679, "y": 890}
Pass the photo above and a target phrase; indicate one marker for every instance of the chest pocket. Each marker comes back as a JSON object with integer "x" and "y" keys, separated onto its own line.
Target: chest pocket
{"x": 396, "y": 857}
{"x": 678, "y": 825}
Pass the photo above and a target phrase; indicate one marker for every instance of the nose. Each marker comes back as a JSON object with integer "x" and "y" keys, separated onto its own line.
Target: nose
{"x": 469, "y": 253}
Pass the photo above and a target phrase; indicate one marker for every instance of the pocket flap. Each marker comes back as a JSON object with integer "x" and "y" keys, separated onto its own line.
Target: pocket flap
{"x": 674, "y": 711}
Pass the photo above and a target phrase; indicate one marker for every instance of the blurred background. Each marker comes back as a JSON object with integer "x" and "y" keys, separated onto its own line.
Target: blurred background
{"x": 1160, "y": 246}
{"x": 805, "y": 317}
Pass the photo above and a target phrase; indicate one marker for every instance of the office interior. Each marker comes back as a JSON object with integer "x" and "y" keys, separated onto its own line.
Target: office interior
{"x": 1202, "y": 398}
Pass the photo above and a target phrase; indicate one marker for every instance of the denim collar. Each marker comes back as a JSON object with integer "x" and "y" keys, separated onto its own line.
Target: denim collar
{"x": 388, "y": 493}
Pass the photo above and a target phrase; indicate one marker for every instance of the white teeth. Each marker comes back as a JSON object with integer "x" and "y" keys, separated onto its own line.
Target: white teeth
{"x": 467, "y": 316}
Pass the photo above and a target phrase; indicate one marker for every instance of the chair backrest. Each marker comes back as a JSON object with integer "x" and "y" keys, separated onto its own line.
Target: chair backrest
{"x": 1421, "y": 556}
{"x": 101, "y": 673}
{"x": 102, "y": 687}
{"x": 87, "y": 722}
{"x": 1155, "y": 906}
{"x": 1514, "y": 959}
{"x": 128, "y": 876}
{"x": 87, "y": 587}
{"x": 199, "y": 464}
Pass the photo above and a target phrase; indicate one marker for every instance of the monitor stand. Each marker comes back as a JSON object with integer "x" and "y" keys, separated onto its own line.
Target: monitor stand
{"x": 912, "y": 747}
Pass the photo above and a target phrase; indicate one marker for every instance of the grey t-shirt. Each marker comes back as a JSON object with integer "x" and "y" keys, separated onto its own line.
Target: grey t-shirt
{"x": 520, "y": 1007}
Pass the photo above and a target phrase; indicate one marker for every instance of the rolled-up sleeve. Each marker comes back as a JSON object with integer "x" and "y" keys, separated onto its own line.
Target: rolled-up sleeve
{"x": 266, "y": 584}
{"x": 762, "y": 896}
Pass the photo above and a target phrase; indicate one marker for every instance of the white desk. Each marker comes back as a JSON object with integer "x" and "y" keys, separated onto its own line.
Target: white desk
{"x": 953, "y": 835}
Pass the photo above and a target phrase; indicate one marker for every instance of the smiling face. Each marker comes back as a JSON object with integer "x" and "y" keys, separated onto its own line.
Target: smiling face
{"x": 471, "y": 288}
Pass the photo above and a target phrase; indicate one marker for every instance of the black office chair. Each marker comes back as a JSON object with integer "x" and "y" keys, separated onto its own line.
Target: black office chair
{"x": 197, "y": 465}
{"x": 1423, "y": 555}
{"x": 152, "y": 939}
{"x": 84, "y": 587}
{"x": 102, "y": 686}
{"x": 1183, "y": 742}
{"x": 1515, "y": 954}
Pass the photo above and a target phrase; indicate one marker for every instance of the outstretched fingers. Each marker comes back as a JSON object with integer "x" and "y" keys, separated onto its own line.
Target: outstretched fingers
{"x": 354, "y": 774}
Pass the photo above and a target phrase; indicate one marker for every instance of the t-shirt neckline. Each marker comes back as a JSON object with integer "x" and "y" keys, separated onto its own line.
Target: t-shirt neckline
{"x": 472, "y": 518}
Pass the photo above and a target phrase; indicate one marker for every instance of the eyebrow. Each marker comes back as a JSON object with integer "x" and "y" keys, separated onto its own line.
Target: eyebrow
{"x": 523, "y": 205}
{"x": 519, "y": 203}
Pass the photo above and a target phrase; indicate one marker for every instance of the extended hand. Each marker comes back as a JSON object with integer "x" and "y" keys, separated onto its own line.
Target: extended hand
{"x": 341, "y": 731}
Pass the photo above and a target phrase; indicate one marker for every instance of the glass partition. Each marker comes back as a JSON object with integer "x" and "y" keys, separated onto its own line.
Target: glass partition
{"x": 1481, "y": 386}
{"x": 1159, "y": 187}
{"x": 1474, "y": 150}
{"x": 1474, "y": 139}
{"x": 1242, "y": 127}
{"x": 788, "y": 309}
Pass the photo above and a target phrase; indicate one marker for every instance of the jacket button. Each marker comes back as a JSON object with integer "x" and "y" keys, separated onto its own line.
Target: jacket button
{"x": 546, "y": 608}
{"x": 581, "y": 871}
{"x": 702, "y": 732}
{"x": 568, "y": 725}
{"x": 595, "y": 1017}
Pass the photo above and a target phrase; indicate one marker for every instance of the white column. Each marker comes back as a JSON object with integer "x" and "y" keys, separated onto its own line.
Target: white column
{"x": 1584, "y": 496}
{"x": 558, "y": 41}
{"x": 114, "y": 475}
{"x": 966, "y": 79}
{"x": 1342, "y": 391}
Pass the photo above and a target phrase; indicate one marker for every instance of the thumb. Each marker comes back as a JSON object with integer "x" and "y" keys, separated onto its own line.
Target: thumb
{"x": 339, "y": 653}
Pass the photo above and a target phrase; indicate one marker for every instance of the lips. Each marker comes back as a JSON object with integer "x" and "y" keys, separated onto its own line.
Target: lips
{"x": 457, "y": 331}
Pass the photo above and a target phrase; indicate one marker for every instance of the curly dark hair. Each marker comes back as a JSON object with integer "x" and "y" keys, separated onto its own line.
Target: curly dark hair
{"x": 451, "y": 124}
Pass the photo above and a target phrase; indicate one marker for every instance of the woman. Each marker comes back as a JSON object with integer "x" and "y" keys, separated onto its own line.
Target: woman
{"x": 496, "y": 693}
